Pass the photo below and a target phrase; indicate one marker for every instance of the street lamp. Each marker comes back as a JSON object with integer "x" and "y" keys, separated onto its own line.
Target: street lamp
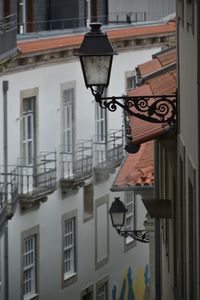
{"x": 96, "y": 55}
{"x": 117, "y": 214}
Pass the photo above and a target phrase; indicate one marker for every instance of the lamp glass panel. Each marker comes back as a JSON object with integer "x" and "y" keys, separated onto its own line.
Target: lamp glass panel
{"x": 96, "y": 69}
{"x": 117, "y": 219}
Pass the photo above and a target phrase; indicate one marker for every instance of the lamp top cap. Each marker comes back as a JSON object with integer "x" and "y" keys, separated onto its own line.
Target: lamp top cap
{"x": 118, "y": 206}
{"x": 95, "y": 28}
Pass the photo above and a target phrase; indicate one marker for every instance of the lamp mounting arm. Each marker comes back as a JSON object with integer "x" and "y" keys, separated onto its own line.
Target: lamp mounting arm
{"x": 154, "y": 109}
{"x": 139, "y": 235}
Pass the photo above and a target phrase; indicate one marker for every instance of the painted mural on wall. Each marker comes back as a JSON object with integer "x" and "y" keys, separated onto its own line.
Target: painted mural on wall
{"x": 132, "y": 290}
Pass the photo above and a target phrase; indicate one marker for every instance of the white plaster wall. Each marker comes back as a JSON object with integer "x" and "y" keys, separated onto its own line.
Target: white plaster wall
{"x": 189, "y": 118}
{"x": 48, "y": 79}
{"x": 188, "y": 93}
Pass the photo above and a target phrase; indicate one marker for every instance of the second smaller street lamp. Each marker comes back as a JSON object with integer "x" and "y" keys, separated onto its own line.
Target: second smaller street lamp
{"x": 117, "y": 214}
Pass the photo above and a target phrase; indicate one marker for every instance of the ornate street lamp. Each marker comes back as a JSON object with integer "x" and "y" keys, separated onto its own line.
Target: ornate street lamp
{"x": 117, "y": 214}
{"x": 96, "y": 55}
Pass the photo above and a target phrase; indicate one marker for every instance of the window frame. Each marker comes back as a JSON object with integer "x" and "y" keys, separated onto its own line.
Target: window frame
{"x": 101, "y": 123}
{"x": 88, "y": 189}
{"x": 31, "y": 94}
{"x": 32, "y": 232}
{"x": 70, "y": 106}
{"x": 104, "y": 282}
{"x": 130, "y": 242}
{"x": 67, "y": 123}
{"x": 130, "y": 75}
{"x": 72, "y": 276}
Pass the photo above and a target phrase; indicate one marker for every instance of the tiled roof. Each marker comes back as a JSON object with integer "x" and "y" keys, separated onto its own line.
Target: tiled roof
{"x": 157, "y": 63}
{"x": 167, "y": 58}
{"x": 136, "y": 169}
{"x": 40, "y": 45}
{"x": 162, "y": 84}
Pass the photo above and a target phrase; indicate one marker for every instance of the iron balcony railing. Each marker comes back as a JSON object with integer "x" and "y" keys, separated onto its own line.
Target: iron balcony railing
{"x": 8, "y": 190}
{"x": 130, "y": 17}
{"x": 8, "y": 33}
{"x": 48, "y": 25}
{"x": 40, "y": 176}
{"x": 76, "y": 161}
{"x": 82, "y": 22}
{"x": 108, "y": 150}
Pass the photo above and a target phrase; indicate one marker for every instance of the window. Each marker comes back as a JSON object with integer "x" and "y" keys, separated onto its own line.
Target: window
{"x": 69, "y": 259}
{"x": 68, "y": 98}
{"x": 30, "y": 262}
{"x": 69, "y": 248}
{"x": 130, "y": 80}
{"x": 101, "y": 134}
{"x": 102, "y": 289}
{"x": 28, "y": 129}
{"x": 100, "y": 123}
{"x": 29, "y": 267}
{"x": 88, "y": 201}
{"x": 68, "y": 128}
{"x": 130, "y": 221}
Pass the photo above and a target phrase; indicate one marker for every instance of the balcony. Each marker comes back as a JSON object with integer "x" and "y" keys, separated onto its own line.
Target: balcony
{"x": 7, "y": 38}
{"x": 76, "y": 166}
{"x": 8, "y": 193}
{"x": 108, "y": 154}
{"x": 36, "y": 180}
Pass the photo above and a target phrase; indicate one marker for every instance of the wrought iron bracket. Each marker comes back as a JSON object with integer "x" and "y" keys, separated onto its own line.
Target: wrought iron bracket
{"x": 139, "y": 235}
{"x": 154, "y": 109}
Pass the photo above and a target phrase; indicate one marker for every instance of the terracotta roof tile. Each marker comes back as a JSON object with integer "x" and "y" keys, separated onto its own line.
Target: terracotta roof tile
{"x": 163, "y": 84}
{"x": 142, "y": 31}
{"x": 149, "y": 67}
{"x": 167, "y": 58}
{"x": 158, "y": 62}
{"x": 40, "y": 45}
{"x": 141, "y": 130}
{"x": 137, "y": 169}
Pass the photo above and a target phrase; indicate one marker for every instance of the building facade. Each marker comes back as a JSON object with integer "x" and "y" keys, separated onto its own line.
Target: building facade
{"x": 59, "y": 158}
{"x": 177, "y": 177}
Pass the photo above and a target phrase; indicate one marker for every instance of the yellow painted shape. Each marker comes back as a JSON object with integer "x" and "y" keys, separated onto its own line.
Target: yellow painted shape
{"x": 139, "y": 284}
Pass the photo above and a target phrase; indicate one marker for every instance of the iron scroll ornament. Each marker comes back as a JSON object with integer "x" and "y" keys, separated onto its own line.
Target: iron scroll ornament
{"x": 138, "y": 235}
{"x": 154, "y": 109}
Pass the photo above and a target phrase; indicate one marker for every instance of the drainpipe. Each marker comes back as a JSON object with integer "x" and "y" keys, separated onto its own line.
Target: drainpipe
{"x": 157, "y": 227}
{"x": 5, "y": 162}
